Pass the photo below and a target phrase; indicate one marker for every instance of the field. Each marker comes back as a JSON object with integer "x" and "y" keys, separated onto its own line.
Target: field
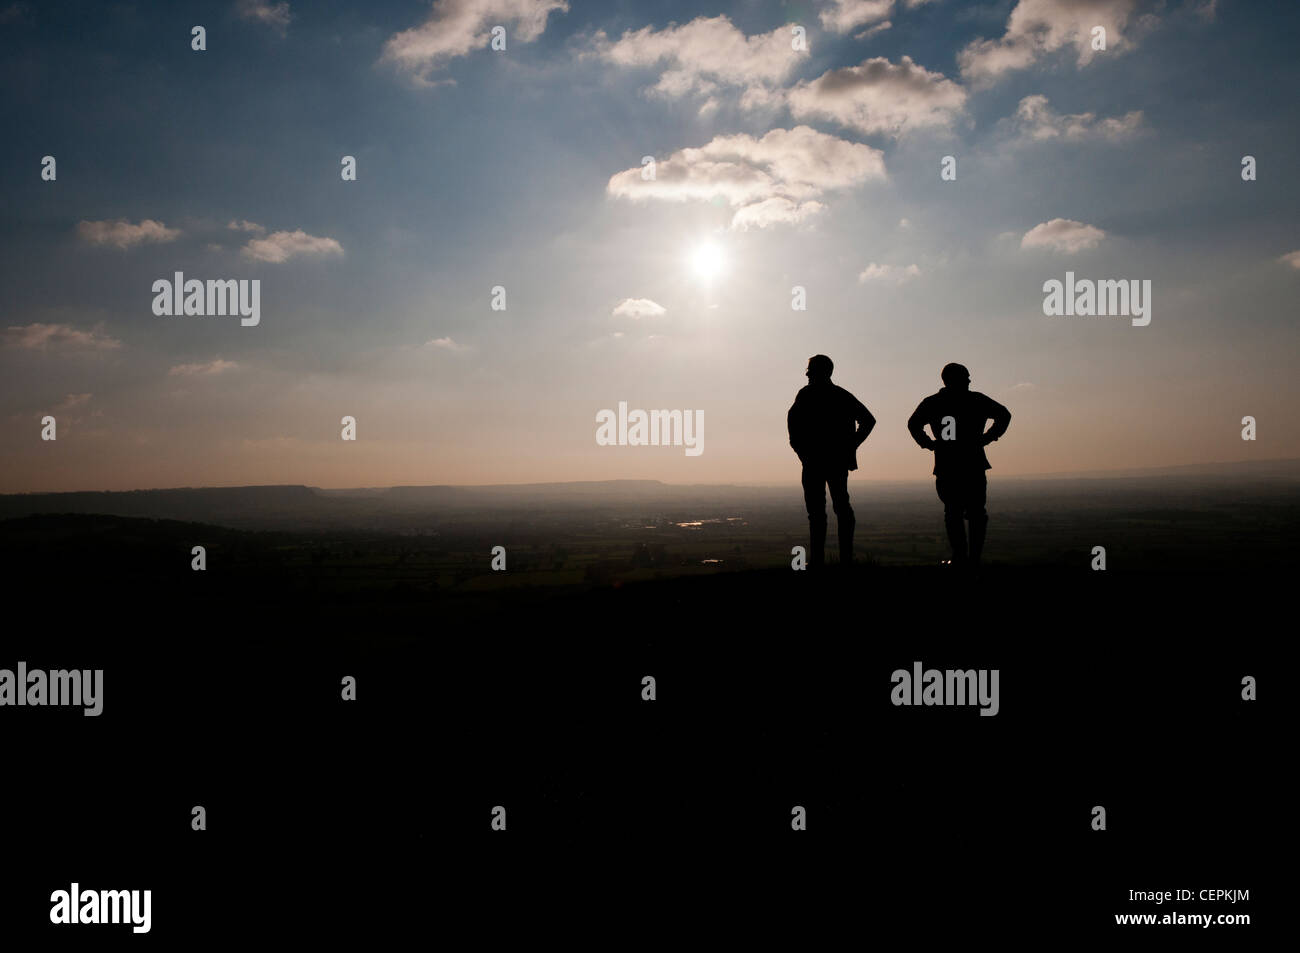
{"x": 524, "y": 689}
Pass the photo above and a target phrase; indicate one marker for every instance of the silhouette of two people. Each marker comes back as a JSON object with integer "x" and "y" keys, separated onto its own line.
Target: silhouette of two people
{"x": 956, "y": 416}
{"x": 827, "y": 424}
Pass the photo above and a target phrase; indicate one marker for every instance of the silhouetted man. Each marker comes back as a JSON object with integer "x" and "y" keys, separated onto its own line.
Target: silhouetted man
{"x": 956, "y": 416}
{"x": 827, "y": 425}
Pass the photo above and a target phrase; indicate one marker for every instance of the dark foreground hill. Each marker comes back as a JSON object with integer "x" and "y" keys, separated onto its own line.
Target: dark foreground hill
{"x": 773, "y": 691}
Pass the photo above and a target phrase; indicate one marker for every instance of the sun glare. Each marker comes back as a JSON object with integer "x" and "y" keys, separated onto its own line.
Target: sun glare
{"x": 707, "y": 261}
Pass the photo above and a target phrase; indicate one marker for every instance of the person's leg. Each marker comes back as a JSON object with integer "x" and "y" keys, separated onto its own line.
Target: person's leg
{"x": 976, "y": 494}
{"x": 950, "y": 493}
{"x": 814, "y": 498}
{"x": 844, "y": 519}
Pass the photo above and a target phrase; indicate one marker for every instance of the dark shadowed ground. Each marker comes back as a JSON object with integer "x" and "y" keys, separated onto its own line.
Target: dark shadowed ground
{"x": 222, "y": 688}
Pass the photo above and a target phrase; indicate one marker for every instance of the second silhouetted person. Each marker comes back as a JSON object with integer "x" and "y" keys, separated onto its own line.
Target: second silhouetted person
{"x": 956, "y": 416}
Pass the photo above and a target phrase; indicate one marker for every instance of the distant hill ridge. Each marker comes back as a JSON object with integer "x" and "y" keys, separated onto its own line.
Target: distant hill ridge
{"x": 308, "y": 507}
{"x": 291, "y": 492}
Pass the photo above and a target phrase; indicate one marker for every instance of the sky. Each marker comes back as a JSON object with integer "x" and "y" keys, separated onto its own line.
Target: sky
{"x": 504, "y": 266}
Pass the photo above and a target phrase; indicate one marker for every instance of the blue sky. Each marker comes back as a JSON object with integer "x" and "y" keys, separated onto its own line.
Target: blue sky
{"x": 521, "y": 168}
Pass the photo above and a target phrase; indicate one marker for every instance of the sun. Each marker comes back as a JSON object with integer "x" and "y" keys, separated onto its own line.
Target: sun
{"x": 708, "y": 261}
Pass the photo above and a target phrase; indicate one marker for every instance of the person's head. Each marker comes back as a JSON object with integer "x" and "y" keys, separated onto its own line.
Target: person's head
{"x": 820, "y": 368}
{"x": 955, "y": 377}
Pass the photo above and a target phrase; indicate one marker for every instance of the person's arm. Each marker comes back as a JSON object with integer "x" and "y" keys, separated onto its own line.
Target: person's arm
{"x": 865, "y": 422}
{"x": 1001, "y": 421}
{"x": 794, "y": 425}
{"x": 916, "y": 427}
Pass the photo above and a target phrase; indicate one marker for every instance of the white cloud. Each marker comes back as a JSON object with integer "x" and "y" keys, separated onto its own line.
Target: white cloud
{"x": 455, "y": 27}
{"x": 1292, "y": 259}
{"x": 898, "y": 274}
{"x": 777, "y": 210}
{"x": 281, "y": 246}
{"x": 1038, "y": 27}
{"x": 878, "y": 96}
{"x": 794, "y": 165}
{"x": 1022, "y": 386}
{"x": 206, "y": 369}
{"x": 243, "y": 226}
{"x": 275, "y": 15}
{"x": 872, "y": 31}
{"x": 444, "y": 344}
{"x": 844, "y": 16}
{"x": 638, "y": 308}
{"x": 1063, "y": 235}
{"x": 123, "y": 234}
{"x": 1037, "y": 121}
{"x": 59, "y": 336}
{"x": 704, "y": 54}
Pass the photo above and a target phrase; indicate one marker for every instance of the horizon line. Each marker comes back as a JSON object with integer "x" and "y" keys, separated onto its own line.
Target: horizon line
{"x": 1116, "y": 473}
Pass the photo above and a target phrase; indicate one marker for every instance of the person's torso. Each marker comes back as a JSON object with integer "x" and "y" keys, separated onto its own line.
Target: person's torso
{"x": 957, "y": 420}
{"x": 827, "y": 420}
